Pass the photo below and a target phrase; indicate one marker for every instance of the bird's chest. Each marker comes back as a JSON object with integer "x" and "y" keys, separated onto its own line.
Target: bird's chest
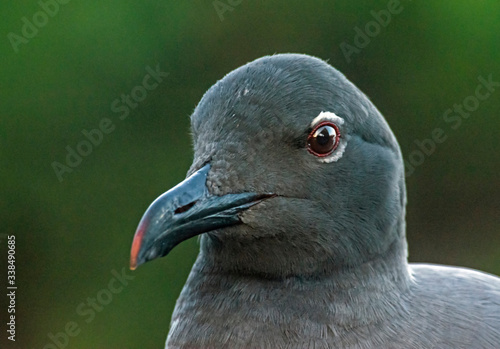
{"x": 252, "y": 319}
{"x": 241, "y": 326}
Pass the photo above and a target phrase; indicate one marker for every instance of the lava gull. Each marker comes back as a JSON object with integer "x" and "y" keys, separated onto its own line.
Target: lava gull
{"x": 297, "y": 192}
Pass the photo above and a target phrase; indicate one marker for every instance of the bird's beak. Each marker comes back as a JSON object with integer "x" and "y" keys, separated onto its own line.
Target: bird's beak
{"x": 185, "y": 211}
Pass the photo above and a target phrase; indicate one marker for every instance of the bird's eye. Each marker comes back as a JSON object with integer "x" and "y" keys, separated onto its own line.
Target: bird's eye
{"x": 323, "y": 139}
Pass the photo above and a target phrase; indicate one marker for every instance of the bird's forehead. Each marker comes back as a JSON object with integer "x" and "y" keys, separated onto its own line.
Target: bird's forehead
{"x": 270, "y": 98}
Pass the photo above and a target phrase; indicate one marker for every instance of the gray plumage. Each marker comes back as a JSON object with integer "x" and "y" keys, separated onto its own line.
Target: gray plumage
{"x": 323, "y": 263}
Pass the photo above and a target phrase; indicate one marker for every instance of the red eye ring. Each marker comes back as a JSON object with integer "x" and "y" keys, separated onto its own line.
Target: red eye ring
{"x": 323, "y": 139}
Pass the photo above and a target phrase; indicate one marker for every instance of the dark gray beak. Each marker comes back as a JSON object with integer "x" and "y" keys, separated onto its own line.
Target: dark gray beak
{"x": 185, "y": 211}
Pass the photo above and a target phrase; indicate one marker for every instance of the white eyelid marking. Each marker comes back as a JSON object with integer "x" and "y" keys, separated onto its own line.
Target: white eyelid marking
{"x": 327, "y": 116}
{"x": 337, "y": 120}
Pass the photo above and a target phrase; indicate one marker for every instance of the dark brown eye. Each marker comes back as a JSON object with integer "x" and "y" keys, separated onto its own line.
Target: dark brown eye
{"x": 324, "y": 139}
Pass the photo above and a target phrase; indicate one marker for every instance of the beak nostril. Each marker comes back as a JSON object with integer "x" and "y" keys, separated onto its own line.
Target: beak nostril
{"x": 184, "y": 208}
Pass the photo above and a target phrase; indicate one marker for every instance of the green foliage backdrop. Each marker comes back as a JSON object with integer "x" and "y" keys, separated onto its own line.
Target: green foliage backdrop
{"x": 61, "y": 73}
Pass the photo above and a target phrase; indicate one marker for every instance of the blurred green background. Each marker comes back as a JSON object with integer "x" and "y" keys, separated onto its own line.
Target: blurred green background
{"x": 72, "y": 234}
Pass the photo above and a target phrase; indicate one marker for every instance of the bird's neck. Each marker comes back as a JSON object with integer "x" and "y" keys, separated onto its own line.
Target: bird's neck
{"x": 346, "y": 297}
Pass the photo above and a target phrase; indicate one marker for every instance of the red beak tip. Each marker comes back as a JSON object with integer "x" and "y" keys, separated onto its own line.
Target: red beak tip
{"x": 136, "y": 246}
